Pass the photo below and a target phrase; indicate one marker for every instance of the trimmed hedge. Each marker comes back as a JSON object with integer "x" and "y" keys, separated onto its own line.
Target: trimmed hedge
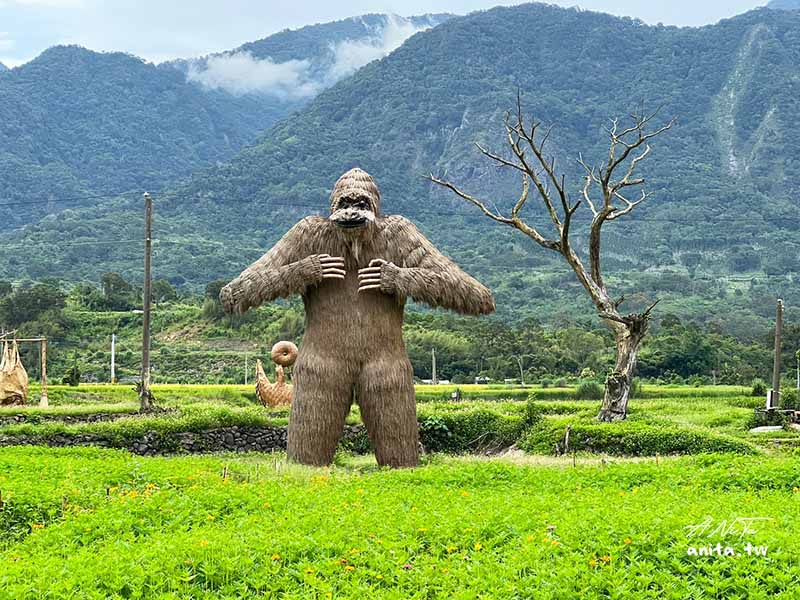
{"x": 628, "y": 438}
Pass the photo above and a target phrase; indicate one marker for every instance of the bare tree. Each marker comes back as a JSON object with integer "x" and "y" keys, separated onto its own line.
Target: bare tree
{"x": 612, "y": 182}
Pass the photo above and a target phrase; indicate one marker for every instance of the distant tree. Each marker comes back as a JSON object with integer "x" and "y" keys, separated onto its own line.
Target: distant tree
{"x": 163, "y": 292}
{"x": 30, "y": 303}
{"x": 118, "y": 293}
{"x": 614, "y": 179}
{"x": 5, "y": 288}
{"x": 88, "y": 296}
{"x": 212, "y": 308}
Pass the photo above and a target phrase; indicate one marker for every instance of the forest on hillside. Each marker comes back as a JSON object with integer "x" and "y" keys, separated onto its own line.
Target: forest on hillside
{"x": 724, "y": 177}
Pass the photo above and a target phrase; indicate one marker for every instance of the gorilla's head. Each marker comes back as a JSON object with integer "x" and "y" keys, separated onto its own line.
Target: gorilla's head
{"x": 355, "y": 201}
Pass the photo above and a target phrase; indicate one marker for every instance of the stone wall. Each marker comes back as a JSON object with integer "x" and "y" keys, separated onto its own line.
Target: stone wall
{"x": 236, "y": 439}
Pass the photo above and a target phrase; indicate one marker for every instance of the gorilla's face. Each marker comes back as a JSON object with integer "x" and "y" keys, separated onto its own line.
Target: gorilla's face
{"x": 353, "y": 213}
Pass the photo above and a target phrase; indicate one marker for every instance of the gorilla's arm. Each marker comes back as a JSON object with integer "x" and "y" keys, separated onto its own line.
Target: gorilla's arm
{"x": 284, "y": 271}
{"x": 430, "y": 277}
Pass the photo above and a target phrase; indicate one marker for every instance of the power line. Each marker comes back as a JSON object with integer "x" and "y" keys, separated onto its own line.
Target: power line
{"x": 111, "y": 196}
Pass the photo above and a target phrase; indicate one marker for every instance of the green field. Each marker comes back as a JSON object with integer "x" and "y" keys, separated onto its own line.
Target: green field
{"x": 94, "y": 523}
{"x": 617, "y": 514}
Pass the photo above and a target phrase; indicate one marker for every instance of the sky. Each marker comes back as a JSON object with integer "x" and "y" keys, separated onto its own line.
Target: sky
{"x": 159, "y": 30}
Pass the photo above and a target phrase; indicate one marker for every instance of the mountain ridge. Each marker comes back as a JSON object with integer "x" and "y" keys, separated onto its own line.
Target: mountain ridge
{"x": 84, "y": 123}
{"x": 732, "y": 86}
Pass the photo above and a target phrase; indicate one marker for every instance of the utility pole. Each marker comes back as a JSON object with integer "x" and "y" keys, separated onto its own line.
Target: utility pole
{"x": 434, "y": 379}
{"x": 43, "y": 401}
{"x": 245, "y": 369}
{"x": 145, "y": 397}
{"x": 773, "y": 400}
{"x": 113, "y": 358}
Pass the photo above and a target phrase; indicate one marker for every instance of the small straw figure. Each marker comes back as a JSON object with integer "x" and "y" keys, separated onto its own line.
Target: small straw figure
{"x": 279, "y": 393}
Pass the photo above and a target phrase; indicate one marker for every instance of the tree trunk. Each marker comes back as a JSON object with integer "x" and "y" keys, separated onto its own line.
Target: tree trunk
{"x": 618, "y": 384}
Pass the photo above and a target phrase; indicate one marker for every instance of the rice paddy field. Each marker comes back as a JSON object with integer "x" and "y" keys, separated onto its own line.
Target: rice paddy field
{"x": 681, "y": 501}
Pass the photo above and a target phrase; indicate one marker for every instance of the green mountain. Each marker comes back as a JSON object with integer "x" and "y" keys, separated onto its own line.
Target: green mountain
{"x": 784, "y": 4}
{"x": 80, "y": 123}
{"x": 717, "y": 243}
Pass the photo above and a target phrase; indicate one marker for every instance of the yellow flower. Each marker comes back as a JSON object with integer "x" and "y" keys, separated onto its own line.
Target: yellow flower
{"x": 452, "y": 548}
{"x": 795, "y": 489}
{"x": 445, "y": 570}
{"x": 423, "y": 529}
{"x": 210, "y": 517}
{"x": 529, "y": 538}
{"x": 203, "y": 543}
{"x": 276, "y": 557}
{"x": 359, "y": 491}
{"x": 605, "y": 558}
{"x": 349, "y": 568}
{"x": 309, "y": 571}
{"x": 354, "y": 550}
{"x": 378, "y": 576}
{"x": 555, "y": 542}
{"x": 464, "y": 493}
{"x": 37, "y": 526}
{"x": 593, "y": 563}
{"x": 627, "y": 541}
{"x": 622, "y": 493}
{"x": 478, "y": 546}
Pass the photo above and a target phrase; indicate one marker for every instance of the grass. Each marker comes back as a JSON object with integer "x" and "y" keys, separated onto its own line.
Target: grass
{"x": 91, "y": 523}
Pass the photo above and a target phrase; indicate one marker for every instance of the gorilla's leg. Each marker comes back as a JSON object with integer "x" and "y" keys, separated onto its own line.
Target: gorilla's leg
{"x": 385, "y": 394}
{"x": 323, "y": 393}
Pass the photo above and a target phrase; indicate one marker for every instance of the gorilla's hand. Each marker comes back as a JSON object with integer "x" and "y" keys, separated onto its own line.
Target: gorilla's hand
{"x": 369, "y": 278}
{"x": 332, "y": 266}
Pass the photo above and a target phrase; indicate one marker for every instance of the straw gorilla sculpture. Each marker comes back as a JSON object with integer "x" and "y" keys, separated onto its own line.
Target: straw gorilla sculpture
{"x": 355, "y": 270}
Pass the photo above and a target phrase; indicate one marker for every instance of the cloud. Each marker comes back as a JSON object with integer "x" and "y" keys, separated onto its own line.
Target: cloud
{"x": 351, "y": 55}
{"x": 242, "y": 73}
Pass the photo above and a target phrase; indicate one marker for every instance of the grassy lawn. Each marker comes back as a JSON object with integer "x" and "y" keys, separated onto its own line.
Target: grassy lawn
{"x": 91, "y": 523}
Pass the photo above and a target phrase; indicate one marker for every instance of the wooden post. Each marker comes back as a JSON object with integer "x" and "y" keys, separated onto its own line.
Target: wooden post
{"x": 43, "y": 401}
{"x": 434, "y": 380}
{"x": 775, "y": 394}
{"x": 144, "y": 391}
{"x": 245, "y": 369}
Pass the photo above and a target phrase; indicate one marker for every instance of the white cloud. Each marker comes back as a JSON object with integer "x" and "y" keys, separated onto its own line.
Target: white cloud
{"x": 241, "y": 73}
{"x": 351, "y": 55}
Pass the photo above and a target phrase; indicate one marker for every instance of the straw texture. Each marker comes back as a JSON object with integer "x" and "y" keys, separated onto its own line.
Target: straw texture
{"x": 353, "y": 347}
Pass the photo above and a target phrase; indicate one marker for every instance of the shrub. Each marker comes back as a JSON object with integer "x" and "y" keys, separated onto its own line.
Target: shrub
{"x": 561, "y": 383}
{"x": 789, "y": 399}
{"x": 533, "y": 412}
{"x": 764, "y": 418}
{"x": 477, "y": 430}
{"x": 759, "y": 387}
{"x": 589, "y": 390}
